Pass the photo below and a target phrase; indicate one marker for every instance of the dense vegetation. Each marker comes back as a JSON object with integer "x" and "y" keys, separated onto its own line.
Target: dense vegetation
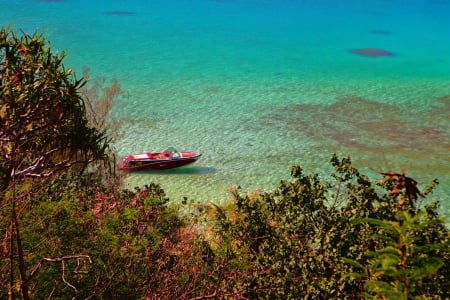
{"x": 68, "y": 229}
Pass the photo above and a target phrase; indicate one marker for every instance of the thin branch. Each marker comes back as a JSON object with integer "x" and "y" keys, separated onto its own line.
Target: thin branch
{"x": 80, "y": 260}
{"x": 63, "y": 266}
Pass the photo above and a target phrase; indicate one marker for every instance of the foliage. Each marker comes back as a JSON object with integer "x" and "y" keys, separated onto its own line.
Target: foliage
{"x": 404, "y": 268}
{"x": 402, "y": 182}
{"x": 134, "y": 245}
{"x": 303, "y": 237}
{"x": 43, "y": 123}
{"x": 300, "y": 241}
{"x": 99, "y": 99}
{"x": 44, "y": 130}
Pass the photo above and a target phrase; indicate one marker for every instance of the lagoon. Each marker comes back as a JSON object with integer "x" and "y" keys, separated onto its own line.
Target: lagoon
{"x": 259, "y": 86}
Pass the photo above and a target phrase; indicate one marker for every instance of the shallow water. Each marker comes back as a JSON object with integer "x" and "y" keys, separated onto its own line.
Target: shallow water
{"x": 258, "y": 86}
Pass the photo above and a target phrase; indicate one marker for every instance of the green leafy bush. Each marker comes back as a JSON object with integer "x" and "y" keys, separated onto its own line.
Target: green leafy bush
{"x": 299, "y": 240}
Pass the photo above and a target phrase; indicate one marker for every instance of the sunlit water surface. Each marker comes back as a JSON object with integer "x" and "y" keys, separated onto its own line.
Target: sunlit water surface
{"x": 259, "y": 86}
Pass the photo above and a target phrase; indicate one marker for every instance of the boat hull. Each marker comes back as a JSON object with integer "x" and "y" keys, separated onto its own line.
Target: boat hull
{"x": 153, "y": 161}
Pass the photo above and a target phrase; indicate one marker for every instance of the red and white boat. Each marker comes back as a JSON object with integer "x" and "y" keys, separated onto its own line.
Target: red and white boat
{"x": 167, "y": 159}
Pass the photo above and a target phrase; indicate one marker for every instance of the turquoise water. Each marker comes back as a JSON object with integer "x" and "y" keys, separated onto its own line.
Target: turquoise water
{"x": 260, "y": 85}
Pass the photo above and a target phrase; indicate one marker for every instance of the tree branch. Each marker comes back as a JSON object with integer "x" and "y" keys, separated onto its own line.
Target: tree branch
{"x": 81, "y": 259}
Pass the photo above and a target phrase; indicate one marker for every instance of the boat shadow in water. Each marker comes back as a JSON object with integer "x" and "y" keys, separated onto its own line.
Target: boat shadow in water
{"x": 189, "y": 170}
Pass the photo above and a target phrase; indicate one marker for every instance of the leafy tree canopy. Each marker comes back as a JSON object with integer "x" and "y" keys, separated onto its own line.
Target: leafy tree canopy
{"x": 43, "y": 122}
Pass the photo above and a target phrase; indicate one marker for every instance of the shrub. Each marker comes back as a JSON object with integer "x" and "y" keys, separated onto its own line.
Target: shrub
{"x": 299, "y": 239}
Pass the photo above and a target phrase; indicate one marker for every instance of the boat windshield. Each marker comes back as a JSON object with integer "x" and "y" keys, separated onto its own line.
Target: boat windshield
{"x": 173, "y": 152}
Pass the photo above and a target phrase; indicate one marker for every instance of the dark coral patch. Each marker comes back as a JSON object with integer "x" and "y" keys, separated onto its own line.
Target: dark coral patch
{"x": 380, "y": 32}
{"x": 371, "y": 52}
{"x": 119, "y": 13}
{"x": 369, "y": 126}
